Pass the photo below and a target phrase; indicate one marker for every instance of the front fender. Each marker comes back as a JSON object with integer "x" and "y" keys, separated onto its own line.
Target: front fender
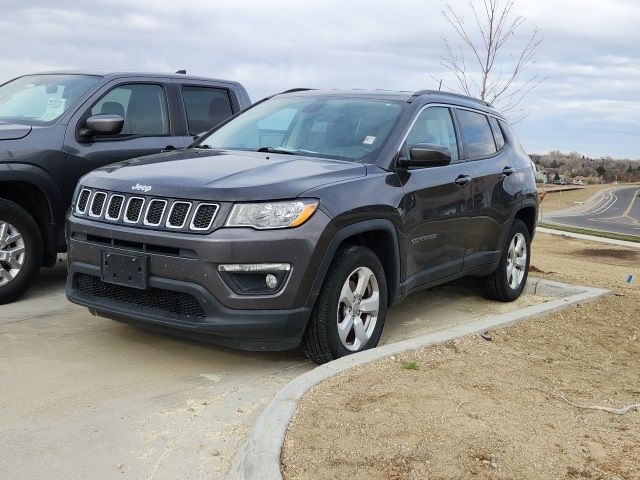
{"x": 39, "y": 178}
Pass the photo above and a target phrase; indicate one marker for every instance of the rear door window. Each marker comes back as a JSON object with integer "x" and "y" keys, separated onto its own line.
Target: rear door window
{"x": 477, "y": 137}
{"x": 497, "y": 132}
{"x": 206, "y": 107}
{"x": 143, "y": 107}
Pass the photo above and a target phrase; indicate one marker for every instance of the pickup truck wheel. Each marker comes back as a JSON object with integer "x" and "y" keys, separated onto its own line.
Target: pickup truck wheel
{"x": 20, "y": 251}
{"x": 351, "y": 309}
{"x": 508, "y": 281}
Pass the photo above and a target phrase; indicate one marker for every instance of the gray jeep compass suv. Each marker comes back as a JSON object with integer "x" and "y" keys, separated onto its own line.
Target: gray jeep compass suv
{"x": 303, "y": 218}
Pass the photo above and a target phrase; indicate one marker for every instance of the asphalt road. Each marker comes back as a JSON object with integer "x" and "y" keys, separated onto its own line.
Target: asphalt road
{"x": 86, "y": 397}
{"x": 614, "y": 210}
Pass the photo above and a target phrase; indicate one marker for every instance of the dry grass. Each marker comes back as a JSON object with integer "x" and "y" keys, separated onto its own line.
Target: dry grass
{"x": 492, "y": 409}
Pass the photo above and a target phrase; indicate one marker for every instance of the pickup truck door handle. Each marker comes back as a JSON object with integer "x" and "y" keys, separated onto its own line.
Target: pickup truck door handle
{"x": 506, "y": 171}
{"x": 463, "y": 180}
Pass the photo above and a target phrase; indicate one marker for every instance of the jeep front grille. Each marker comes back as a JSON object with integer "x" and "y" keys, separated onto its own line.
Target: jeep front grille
{"x": 97, "y": 204}
{"x": 147, "y": 211}
{"x": 178, "y": 214}
{"x": 155, "y": 210}
{"x": 203, "y": 216}
{"x": 134, "y": 208}
{"x": 83, "y": 201}
{"x": 115, "y": 207}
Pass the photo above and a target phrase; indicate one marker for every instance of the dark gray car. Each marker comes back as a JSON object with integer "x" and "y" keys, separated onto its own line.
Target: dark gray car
{"x": 303, "y": 218}
{"x": 57, "y": 126}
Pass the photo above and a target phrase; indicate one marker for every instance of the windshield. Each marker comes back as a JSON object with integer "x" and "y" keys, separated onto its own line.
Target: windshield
{"x": 331, "y": 127}
{"x": 39, "y": 99}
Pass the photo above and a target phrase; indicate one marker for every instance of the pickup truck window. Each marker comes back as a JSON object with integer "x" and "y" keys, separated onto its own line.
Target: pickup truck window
{"x": 341, "y": 128}
{"x": 206, "y": 107}
{"x": 40, "y": 99}
{"x": 143, "y": 107}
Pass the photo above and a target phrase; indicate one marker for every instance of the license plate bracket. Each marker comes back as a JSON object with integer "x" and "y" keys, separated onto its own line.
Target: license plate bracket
{"x": 125, "y": 269}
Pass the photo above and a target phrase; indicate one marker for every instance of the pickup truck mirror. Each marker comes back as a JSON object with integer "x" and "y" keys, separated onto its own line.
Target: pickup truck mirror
{"x": 102, "y": 125}
{"x": 426, "y": 155}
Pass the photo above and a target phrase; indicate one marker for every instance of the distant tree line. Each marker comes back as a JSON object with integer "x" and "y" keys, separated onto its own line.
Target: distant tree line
{"x": 572, "y": 165}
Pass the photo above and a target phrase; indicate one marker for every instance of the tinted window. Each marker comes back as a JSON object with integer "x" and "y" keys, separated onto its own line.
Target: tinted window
{"x": 497, "y": 132}
{"x": 206, "y": 107}
{"x": 343, "y": 128}
{"x": 434, "y": 125}
{"x": 476, "y": 134}
{"x": 143, "y": 107}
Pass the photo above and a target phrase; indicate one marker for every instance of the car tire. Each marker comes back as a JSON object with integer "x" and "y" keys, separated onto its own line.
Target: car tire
{"x": 20, "y": 251}
{"x": 349, "y": 314}
{"x": 509, "y": 279}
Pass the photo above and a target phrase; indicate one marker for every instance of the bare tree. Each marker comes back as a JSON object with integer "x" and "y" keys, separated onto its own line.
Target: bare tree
{"x": 477, "y": 61}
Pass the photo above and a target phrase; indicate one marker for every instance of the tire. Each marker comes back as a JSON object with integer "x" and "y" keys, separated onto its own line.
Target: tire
{"x": 19, "y": 235}
{"x": 324, "y": 340}
{"x": 508, "y": 281}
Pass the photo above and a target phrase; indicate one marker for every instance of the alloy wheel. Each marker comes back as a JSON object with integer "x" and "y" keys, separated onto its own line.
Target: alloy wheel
{"x": 516, "y": 261}
{"x": 12, "y": 252}
{"x": 358, "y": 308}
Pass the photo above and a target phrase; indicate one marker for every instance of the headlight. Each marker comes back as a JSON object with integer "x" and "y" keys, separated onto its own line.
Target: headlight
{"x": 272, "y": 214}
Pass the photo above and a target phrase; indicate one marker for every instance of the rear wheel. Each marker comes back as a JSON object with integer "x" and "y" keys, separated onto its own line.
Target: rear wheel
{"x": 508, "y": 281}
{"x": 20, "y": 251}
{"x": 351, "y": 308}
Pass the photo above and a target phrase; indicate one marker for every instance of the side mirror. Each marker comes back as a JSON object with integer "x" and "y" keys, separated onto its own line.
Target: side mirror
{"x": 426, "y": 155}
{"x": 102, "y": 125}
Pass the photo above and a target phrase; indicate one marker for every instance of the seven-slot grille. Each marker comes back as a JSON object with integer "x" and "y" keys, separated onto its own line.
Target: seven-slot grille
{"x": 146, "y": 212}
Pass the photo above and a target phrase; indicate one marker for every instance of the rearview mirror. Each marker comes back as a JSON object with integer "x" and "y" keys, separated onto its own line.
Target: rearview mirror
{"x": 426, "y": 155}
{"x": 102, "y": 125}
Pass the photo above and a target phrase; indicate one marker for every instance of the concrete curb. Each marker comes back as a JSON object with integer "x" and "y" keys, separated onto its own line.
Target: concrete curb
{"x": 582, "y": 236}
{"x": 259, "y": 457}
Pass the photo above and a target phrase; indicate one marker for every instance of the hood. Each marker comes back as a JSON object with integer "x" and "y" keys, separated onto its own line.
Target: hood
{"x": 9, "y": 131}
{"x": 222, "y": 175}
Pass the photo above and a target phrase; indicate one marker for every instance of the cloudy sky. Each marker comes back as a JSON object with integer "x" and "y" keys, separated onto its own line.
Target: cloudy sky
{"x": 590, "y": 56}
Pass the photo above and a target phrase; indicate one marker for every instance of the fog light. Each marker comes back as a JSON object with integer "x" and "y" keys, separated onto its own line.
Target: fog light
{"x": 271, "y": 281}
{"x": 255, "y": 278}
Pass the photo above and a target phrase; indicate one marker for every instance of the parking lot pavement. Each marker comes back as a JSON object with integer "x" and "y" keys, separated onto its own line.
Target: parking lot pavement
{"x": 86, "y": 397}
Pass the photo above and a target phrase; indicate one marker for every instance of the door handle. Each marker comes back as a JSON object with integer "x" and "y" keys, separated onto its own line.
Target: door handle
{"x": 463, "y": 180}
{"x": 506, "y": 171}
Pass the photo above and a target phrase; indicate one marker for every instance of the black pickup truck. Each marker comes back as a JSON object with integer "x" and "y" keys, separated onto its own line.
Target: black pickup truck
{"x": 57, "y": 126}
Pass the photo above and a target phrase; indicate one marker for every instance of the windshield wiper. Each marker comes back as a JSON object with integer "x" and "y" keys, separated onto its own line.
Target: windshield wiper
{"x": 277, "y": 150}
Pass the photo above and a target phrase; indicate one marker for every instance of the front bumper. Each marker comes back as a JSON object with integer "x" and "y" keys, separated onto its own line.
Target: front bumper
{"x": 187, "y": 295}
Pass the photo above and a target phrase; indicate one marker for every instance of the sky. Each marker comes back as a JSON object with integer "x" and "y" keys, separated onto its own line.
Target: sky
{"x": 590, "y": 56}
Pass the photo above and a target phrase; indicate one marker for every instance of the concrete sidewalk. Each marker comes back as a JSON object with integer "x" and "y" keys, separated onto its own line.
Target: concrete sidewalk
{"x": 591, "y": 238}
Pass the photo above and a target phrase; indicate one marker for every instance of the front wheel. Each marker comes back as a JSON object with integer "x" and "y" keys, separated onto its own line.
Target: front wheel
{"x": 508, "y": 281}
{"x": 20, "y": 251}
{"x": 351, "y": 309}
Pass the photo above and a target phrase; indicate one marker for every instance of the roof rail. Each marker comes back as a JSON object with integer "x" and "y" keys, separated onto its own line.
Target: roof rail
{"x": 448, "y": 94}
{"x": 300, "y": 89}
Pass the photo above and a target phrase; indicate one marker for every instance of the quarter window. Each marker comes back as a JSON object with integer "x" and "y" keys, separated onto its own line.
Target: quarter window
{"x": 143, "y": 107}
{"x": 206, "y": 107}
{"x": 497, "y": 132}
{"x": 434, "y": 125}
{"x": 476, "y": 134}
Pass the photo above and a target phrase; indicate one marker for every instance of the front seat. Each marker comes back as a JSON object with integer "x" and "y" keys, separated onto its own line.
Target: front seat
{"x": 112, "y": 108}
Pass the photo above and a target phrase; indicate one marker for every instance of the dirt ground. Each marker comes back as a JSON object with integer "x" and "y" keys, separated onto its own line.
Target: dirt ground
{"x": 493, "y": 409}
{"x": 559, "y": 199}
